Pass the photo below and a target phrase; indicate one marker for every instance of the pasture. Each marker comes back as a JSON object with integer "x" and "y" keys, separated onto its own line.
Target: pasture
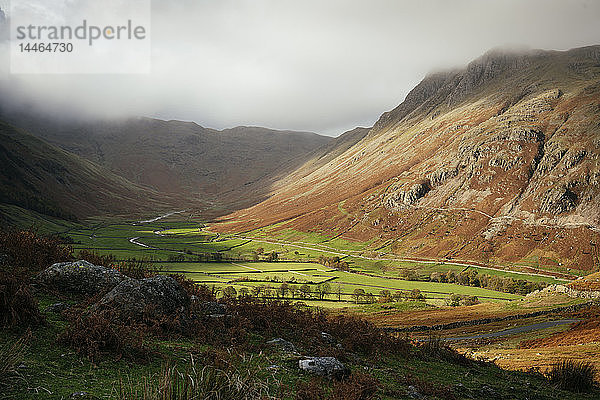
{"x": 183, "y": 246}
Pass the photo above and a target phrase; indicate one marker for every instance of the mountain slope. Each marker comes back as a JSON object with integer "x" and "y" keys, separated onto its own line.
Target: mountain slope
{"x": 40, "y": 177}
{"x": 498, "y": 162}
{"x": 232, "y": 168}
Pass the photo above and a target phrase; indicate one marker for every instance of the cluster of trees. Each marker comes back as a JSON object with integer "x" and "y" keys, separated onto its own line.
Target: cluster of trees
{"x": 386, "y": 296}
{"x": 200, "y": 257}
{"x": 471, "y": 277}
{"x": 321, "y": 291}
{"x": 285, "y": 290}
{"x": 456, "y": 300}
{"x": 260, "y": 253}
{"x": 334, "y": 262}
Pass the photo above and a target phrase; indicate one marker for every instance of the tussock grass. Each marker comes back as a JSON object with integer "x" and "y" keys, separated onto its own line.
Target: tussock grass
{"x": 194, "y": 382}
{"x": 11, "y": 356}
{"x": 575, "y": 376}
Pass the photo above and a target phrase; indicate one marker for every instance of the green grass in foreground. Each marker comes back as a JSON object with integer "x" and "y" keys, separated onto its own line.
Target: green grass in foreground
{"x": 51, "y": 370}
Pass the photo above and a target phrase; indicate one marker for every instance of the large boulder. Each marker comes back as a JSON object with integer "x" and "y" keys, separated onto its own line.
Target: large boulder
{"x": 80, "y": 277}
{"x": 324, "y": 366}
{"x": 152, "y": 298}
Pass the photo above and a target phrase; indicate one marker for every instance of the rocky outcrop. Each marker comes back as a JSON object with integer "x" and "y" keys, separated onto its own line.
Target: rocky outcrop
{"x": 441, "y": 175}
{"x": 209, "y": 308}
{"x": 80, "y": 277}
{"x": 553, "y": 154}
{"x": 520, "y": 134}
{"x": 324, "y": 366}
{"x": 574, "y": 157}
{"x": 558, "y": 200}
{"x": 152, "y": 298}
{"x": 407, "y": 197}
{"x": 569, "y": 291}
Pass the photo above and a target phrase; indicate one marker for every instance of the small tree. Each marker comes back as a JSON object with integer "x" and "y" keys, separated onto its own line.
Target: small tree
{"x": 244, "y": 292}
{"x": 305, "y": 290}
{"x": 385, "y": 296}
{"x": 323, "y": 289}
{"x": 293, "y": 291}
{"x": 358, "y": 294}
{"x": 399, "y": 295}
{"x": 470, "y": 300}
{"x": 257, "y": 290}
{"x": 283, "y": 289}
{"x": 273, "y": 256}
{"x": 453, "y": 300}
{"x": 229, "y": 292}
{"x": 416, "y": 294}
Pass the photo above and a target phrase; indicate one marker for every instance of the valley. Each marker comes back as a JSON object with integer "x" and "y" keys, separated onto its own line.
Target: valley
{"x": 449, "y": 251}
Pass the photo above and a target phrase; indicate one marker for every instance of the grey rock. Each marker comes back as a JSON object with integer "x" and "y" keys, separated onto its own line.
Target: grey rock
{"x": 153, "y": 297}
{"x": 558, "y": 200}
{"x": 284, "y": 345}
{"x": 406, "y": 197}
{"x": 323, "y": 366}
{"x": 211, "y": 308}
{"x": 327, "y": 338}
{"x": 82, "y": 396}
{"x": 441, "y": 175}
{"x": 80, "y": 277}
{"x": 489, "y": 392}
{"x": 413, "y": 393}
{"x": 574, "y": 157}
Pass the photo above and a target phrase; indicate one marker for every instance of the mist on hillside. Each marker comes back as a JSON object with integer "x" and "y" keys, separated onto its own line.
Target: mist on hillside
{"x": 314, "y": 66}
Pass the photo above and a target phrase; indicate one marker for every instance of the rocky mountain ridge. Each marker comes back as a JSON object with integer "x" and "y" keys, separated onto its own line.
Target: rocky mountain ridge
{"x": 497, "y": 162}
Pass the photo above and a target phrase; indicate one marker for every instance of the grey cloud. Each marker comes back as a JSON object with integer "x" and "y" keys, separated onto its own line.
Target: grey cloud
{"x": 318, "y": 65}
{"x": 4, "y": 31}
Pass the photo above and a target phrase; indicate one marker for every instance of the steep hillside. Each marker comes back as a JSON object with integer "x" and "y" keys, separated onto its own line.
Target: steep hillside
{"x": 496, "y": 162}
{"x": 231, "y": 168}
{"x": 40, "y": 177}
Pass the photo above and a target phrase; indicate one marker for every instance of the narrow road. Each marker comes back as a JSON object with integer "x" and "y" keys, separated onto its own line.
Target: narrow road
{"x": 513, "y": 331}
{"x": 134, "y": 240}
{"x": 158, "y": 218}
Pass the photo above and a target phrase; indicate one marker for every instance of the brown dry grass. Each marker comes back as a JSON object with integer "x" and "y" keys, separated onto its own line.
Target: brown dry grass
{"x": 435, "y": 316}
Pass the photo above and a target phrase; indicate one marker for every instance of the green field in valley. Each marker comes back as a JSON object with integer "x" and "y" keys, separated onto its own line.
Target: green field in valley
{"x": 184, "y": 246}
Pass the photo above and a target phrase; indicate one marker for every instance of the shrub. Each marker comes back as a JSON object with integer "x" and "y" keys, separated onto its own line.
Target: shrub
{"x": 416, "y": 294}
{"x": 453, "y": 300}
{"x": 359, "y": 386}
{"x": 137, "y": 269}
{"x": 310, "y": 390}
{"x": 27, "y": 253}
{"x": 456, "y": 300}
{"x": 18, "y": 307}
{"x": 359, "y": 335}
{"x": 106, "y": 260}
{"x": 97, "y": 334}
{"x": 576, "y": 376}
{"x": 435, "y": 348}
{"x": 201, "y": 292}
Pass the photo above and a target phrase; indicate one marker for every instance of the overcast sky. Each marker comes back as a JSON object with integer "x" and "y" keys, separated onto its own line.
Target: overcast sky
{"x": 319, "y": 65}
